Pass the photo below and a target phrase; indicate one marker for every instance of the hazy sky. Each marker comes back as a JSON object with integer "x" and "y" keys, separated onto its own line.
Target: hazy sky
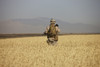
{"x": 73, "y": 11}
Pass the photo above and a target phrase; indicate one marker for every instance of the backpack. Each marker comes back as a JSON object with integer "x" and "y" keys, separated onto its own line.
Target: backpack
{"x": 52, "y": 31}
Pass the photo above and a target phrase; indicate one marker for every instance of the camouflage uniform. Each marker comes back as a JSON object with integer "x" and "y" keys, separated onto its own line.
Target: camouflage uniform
{"x": 56, "y": 36}
{"x": 52, "y": 39}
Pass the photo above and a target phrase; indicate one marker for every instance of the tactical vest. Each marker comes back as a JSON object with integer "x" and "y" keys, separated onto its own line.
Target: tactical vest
{"x": 52, "y": 31}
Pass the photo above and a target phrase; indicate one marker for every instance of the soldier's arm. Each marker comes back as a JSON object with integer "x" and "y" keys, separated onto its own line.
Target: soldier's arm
{"x": 57, "y": 29}
{"x": 47, "y": 28}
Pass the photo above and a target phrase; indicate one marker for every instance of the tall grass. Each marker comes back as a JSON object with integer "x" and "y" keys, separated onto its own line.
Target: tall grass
{"x": 71, "y": 51}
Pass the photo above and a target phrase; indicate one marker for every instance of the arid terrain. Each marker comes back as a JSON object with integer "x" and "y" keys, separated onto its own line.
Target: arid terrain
{"x": 70, "y": 51}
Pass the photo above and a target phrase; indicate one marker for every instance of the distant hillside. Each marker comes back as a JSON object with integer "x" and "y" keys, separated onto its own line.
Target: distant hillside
{"x": 38, "y": 25}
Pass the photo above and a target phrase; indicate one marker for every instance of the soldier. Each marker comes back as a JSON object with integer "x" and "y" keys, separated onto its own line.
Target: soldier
{"x": 52, "y": 32}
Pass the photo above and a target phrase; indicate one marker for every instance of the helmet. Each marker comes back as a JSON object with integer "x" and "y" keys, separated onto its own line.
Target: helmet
{"x": 52, "y": 21}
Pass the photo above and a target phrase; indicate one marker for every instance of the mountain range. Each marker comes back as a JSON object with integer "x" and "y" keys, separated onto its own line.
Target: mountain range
{"x": 38, "y": 25}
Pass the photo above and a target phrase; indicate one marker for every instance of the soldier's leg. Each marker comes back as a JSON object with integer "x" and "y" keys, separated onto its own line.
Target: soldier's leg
{"x": 54, "y": 43}
{"x": 50, "y": 41}
{"x": 55, "y": 39}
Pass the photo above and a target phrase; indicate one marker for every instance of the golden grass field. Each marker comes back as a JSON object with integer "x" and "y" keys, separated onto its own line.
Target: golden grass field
{"x": 71, "y": 51}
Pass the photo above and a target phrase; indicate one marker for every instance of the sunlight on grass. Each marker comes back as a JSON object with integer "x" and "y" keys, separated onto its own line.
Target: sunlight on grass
{"x": 71, "y": 51}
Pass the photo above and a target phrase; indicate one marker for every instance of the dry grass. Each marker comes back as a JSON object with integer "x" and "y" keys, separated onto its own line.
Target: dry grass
{"x": 71, "y": 51}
